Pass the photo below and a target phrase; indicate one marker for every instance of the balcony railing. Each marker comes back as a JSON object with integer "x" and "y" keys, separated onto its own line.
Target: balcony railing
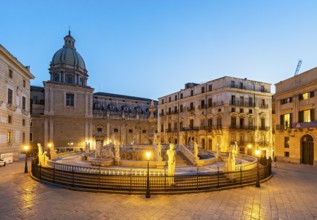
{"x": 246, "y": 127}
{"x": 218, "y": 103}
{"x": 191, "y": 108}
{"x": 283, "y": 127}
{"x": 264, "y": 106}
{"x": 242, "y": 103}
{"x": 190, "y": 129}
{"x": 202, "y": 106}
{"x": 264, "y": 128}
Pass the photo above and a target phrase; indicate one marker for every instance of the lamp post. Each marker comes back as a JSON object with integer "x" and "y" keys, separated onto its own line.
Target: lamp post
{"x": 26, "y": 148}
{"x": 148, "y": 194}
{"x": 257, "y": 152}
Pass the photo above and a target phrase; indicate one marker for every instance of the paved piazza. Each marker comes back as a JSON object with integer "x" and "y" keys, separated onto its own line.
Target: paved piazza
{"x": 290, "y": 194}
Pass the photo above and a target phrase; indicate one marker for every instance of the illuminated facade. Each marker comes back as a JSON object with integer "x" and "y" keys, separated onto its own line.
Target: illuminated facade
{"x": 219, "y": 112}
{"x": 14, "y": 104}
{"x": 67, "y": 113}
{"x": 296, "y": 131}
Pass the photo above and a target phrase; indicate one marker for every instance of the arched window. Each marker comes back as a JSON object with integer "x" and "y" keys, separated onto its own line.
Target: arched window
{"x": 70, "y": 79}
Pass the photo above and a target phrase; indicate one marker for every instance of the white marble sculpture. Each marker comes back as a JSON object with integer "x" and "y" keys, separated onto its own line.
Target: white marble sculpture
{"x": 42, "y": 156}
{"x": 171, "y": 164}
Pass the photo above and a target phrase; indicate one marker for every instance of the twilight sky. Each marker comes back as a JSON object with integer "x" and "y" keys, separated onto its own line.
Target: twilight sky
{"x": 150, "y": 48}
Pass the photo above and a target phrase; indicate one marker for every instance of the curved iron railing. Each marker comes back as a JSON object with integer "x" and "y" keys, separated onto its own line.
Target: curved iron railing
{"x": 132, "y": 182}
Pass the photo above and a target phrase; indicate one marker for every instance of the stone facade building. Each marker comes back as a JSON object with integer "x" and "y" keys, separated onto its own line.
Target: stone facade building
{"x": 14, "y": 105}
{"x": 66, "y": 112}
{"x": 296, "y": 132}
{"x": 219, "y": 112}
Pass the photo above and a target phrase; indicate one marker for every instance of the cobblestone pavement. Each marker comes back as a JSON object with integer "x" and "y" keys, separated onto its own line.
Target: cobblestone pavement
{"x": 290, "y": 194}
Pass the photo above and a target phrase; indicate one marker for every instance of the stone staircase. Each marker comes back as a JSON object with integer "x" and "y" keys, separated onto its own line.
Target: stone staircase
{"x": 181, "y": 160}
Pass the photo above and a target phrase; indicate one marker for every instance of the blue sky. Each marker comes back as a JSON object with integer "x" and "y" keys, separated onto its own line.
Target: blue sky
{"x": 152, "y": 48}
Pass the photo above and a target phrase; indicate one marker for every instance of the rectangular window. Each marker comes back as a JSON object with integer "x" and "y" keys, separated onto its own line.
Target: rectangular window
{"x": 209, "y": 122}
{"x": 130, "y": 131}
{"x": 175, "y": 97}
{"x": 219, "y": 122}
{"x": 181, "y": 95}
{"x": 202, "y": 89}
{"x": 250, "y": 122}
{"x": 286, "y": 142}
{"x": 263, "y": 123}
{"x": 144, "y": 131}
{"x": 23, "y": 122}
{"x": 202, "y": 103}
{"x": 233, "y": 122}
{"x": 115, "y": 130}
{"x": 210, "y": 88}
{"x": 162, "y": 101}
{"x": 9, "y": 137}
{"x": 10, "y": 74}
{"x": 233, "y": 100}
{"x": 181, "y": 108}
{"x": 169, "y": 99}
{"x": 23, "y": 103}
{"x": 175, "y": 125}
{"x": 191, "y": 123}
{"x": 191, "y": 92}
{"x": 69, "y": 99}
{"x": 306, "y": 116}
{"x": 233, "y": 84}
{"x": 9, "y": 119}
{"x": 288, "y": 100}
{"x": 23, "y": 137}
{"x": 175, "y": 109}
{"x": 24, "y": 83}
{"x": 10, "y": 96}
{"x": 191, "y": 106}
{"x": 181, "y": 125}
{"x": 162, "y": 128}
{"x": 286, "y": 154}
{"x": 233, "y": 109}
{"x": 209, "y": 102}
{"x": 31, "y": 137}
{"x": 286, "y": 120}
{"x": 241, "y": 85}
{"x": 241, "y": 110}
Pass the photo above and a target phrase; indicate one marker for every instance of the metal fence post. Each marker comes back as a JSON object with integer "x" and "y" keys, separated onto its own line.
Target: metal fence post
{"x": 54, "y": 174}
{"x": 218, "y": 177}
{"x": 240, "y": 175}
{"x": 197, "y": 178}
{"x": 99, "y": 177}
{"x": 40, "y": 172}
{"x": 130, "y": 181}
{"x": 73, "y": 176}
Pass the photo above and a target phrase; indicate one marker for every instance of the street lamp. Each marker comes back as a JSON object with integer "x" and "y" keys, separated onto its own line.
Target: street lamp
{"x": 257, "y": 152}
{"x": 26, "y": 148}
{"x": 148, "y": 194}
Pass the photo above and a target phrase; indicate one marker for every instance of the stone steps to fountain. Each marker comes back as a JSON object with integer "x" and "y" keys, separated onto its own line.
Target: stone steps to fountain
{"x": 181, "y": 160}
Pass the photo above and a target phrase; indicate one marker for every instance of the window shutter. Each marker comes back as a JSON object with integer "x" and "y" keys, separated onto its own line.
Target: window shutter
{"x": 312, "y": 114}
{"x": 300, "y": 116}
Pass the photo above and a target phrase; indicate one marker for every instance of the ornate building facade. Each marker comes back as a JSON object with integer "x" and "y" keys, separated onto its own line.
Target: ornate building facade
{"x": 296, "y": 132}
{"x": 14, "y": 105}
{"x": 219, "y": 112}
{"x": 67, "y": 113}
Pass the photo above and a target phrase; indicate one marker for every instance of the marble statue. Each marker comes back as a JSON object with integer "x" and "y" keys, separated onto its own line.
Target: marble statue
{"x": 171, "y": 164}
{"x": 43, "y": 158}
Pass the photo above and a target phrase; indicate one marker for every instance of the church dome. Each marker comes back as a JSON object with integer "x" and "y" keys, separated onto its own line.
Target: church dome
{"x": 68, "y": 56}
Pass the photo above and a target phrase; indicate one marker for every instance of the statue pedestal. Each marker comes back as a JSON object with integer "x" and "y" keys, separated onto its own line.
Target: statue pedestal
{"x": 117, "y": 161}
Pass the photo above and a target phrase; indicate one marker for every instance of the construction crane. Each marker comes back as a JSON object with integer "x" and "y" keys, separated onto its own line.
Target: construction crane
{"x": 298, "y": 67}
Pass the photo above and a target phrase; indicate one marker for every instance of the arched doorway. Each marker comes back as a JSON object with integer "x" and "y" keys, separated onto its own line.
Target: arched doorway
{"x": 307, "y": 150}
